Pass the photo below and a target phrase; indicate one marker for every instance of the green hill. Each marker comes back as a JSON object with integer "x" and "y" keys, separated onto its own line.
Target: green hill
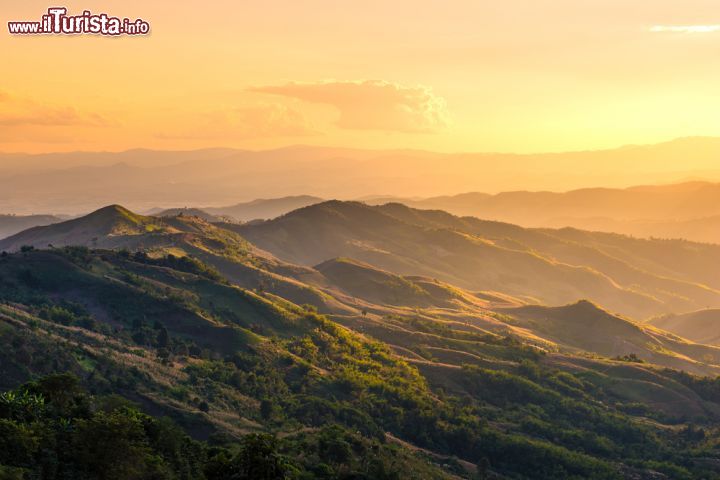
{"x": 108, "y": 227}
{"x": 172, "y": 337}
{"x": 170, "y": 334}
{"x": 190, "y": 320}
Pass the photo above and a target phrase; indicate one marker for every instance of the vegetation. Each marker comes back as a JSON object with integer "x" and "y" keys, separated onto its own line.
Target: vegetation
{"x": 52, "y": 429}
{"x": 258, "y": 387}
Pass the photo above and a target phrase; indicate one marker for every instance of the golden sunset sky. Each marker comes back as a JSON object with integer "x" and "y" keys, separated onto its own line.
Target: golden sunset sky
{"x": 463, "y": 75}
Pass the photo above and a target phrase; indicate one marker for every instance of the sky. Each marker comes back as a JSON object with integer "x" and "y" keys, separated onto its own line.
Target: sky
{"x": 449, "y": 76}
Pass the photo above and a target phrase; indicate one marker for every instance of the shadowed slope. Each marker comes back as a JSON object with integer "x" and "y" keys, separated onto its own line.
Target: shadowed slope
{"x": 585, "y": 326}
{"x": 12, "y": 224}
{"x": 105, "y": 228}
{"x": 473, "y": 255}
{"x": 264, "y": 208}
{"x": 702, "y": 326}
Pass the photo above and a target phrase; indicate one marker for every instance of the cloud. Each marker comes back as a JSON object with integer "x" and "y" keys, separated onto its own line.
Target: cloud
{"x": 250, "y": 121}
{"x": 20, "y": 112}
{"x": 52, "y": 117}
{"x": 372, "y": 104}
{"x": 685, "y": 28}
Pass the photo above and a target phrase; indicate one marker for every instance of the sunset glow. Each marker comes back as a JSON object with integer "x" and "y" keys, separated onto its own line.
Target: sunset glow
{"x": 475, "y": 76}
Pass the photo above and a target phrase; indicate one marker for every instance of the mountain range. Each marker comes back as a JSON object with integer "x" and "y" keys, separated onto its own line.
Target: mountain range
{"x": 396, "y": 252}
{"x": 685, "y": 210}
{"x": 469, "y": 347}
{"x": 258, "y": 209}
{"x": 49, "y": 183}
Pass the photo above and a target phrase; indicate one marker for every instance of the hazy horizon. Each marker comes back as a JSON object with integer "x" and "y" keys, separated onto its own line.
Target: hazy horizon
{"x": 388, "y": 240}
{"x": 424, "y": 77}
{"x": 143, "y": 179}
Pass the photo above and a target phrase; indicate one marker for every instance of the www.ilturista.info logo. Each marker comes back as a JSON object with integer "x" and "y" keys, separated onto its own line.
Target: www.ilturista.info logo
{"x": 58, "y": 22}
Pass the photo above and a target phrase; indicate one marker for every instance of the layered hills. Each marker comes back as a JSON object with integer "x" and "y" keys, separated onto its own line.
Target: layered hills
{"x": 416, "y": 333}
{"x": 358, "y": 263}
{"x": 264, "y": 208}
{"x": 684, "y": 210}
{"x": 36, "y": 183}
{"x": 629, "y": 276}
{"x": 700, "y": 326}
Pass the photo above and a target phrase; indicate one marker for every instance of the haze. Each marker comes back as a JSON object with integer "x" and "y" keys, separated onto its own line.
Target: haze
{"x": 489, "y": 76}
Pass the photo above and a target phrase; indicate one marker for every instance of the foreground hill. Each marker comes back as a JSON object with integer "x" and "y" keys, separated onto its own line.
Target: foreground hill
{"x": 548, "y": 267}
{"x": 179, "y": 341}
{"x": 175, "y": 337}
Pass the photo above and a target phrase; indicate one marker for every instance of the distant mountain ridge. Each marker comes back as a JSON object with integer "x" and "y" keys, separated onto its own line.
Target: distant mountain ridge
{"x": 688, "y": 210}
{"x": 264, "y": 209}
{"x": 12, "y": 224}
{"x": 35, "y": 183}
{"x": 701, "y": 326}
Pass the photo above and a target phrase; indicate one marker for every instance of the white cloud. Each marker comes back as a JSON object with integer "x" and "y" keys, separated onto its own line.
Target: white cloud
{"x": 685, "y": 28}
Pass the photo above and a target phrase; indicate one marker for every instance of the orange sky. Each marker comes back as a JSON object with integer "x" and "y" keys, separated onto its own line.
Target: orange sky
{"x": 462, "y": 75}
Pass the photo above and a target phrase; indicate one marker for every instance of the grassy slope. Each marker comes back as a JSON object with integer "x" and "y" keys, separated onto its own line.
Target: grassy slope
{"x": 474, "y": 255}
{"x": 107, "y": 227}
{"x": 589, "y": 328}
{"x": 623, "y": 259}
{"x": 299, "y": 356}
{"x": 347, "y": 287}
{"x": 456, "y": 340}
{"x": 234, "y": 330}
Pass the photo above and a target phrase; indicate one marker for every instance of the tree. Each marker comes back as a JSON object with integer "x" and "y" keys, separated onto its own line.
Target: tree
{"x": 163, "y": 337}
{"x": 266, "y": 408}
{"x": 259, "y": 459}
{"x": 111, "y": 446}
